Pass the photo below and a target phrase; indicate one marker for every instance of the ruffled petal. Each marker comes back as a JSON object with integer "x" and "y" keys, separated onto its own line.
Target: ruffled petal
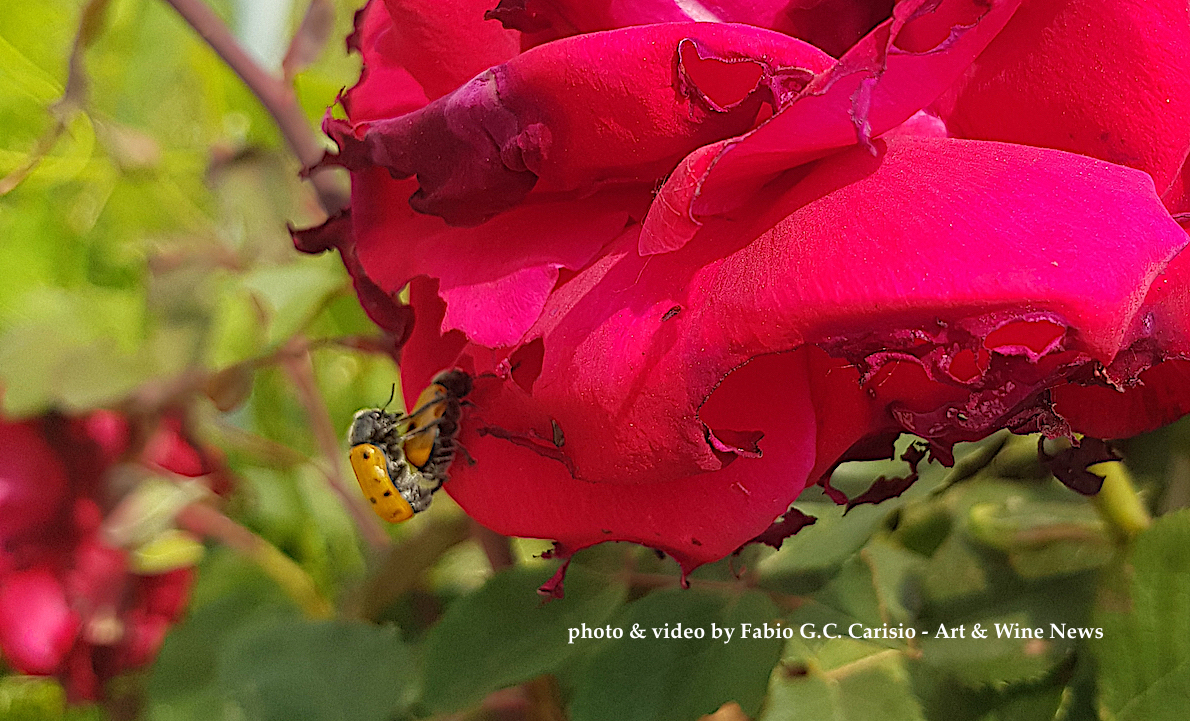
{"x": 477, "y": 268}
{"x": 942, "y": 287}
{"x": 580, "y": 113}
{"x": 900, "y": 67}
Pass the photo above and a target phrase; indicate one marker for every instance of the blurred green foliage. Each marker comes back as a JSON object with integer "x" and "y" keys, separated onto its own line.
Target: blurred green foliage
{"x": 147, "y": 249}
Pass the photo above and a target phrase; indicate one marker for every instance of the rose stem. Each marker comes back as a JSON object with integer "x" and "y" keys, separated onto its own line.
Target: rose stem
{"x": 301, "y": 372}
{"x": 402, "y": 567}
{"x": 274, "y": 93}
{"x": 203, "y": 520}
{"x": 1118, "y": 503}
{"x": 496, "y": 547}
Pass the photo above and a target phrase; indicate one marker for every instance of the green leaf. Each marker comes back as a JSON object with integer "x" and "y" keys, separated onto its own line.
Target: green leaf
{"x": 1042, "y": 538}
{"x": 292, "y": 293}
{"x": 1144, "y": 654}
{"x": 659, "y": 679}
{"x": 290, "y": 669}
{"x": 827, "y": 674}
{"x": 504, "y": 633}
{"x": 24, "y": 698}
{"x": 230, "y": 595}
{"x": 944, "y": 699}
{"x": 1006, "y": 654}
{"x": 874, "y": 685}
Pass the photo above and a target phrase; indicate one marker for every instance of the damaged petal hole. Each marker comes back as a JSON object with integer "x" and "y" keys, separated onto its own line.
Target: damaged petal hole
{"x": 724, "y": 84}
{"x": 906, "y": 383}
{"x": 966, "y": 365}
{"x": 1032, "y": 338}
{"x": 742, "y": 399}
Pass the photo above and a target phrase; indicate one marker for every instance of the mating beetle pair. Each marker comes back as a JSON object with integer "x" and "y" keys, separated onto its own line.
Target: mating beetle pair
{"x": 401, "y": 460}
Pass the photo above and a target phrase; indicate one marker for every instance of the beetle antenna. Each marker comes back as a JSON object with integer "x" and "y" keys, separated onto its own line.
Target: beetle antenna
{"x": 392, "y": 394}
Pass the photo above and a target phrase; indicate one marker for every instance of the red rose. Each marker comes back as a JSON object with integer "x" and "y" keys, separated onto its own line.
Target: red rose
{"x": 694, "y": 266}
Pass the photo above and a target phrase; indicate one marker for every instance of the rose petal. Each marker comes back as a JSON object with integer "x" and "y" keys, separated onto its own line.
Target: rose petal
{"x": 443, "y": 43}
{"x": 385, "y": 87}
{"x": 1106, "y": 78}
{"x": 475, "y": 266}
{"x": 695, "y": 519}
{"x": 1161, "y": 394}
{"x": 833, "y": 25}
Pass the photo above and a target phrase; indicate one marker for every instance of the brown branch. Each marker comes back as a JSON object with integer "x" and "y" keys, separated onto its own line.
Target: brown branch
{"x": 273, "y": 92}
{"x": 205, "y": 521}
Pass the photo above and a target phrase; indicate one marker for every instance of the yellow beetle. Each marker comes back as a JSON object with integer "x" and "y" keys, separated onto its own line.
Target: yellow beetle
{"x": 400, "y": 461}
{"x": 370, "y": 464}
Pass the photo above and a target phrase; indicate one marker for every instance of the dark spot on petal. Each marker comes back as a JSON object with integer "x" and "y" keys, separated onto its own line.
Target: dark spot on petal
{"x": 671, "y": 313}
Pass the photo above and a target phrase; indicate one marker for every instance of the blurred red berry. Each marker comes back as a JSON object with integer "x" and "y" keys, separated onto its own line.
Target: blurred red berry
{"x": 32, "y": 481}
{"x": 69, "y": 604}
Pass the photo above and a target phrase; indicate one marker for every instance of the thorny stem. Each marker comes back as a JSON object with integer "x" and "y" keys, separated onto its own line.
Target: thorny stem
{"x": 202, "y": 519}
{"x": 301, "y": 373}
{"x": 274, "y": 93}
